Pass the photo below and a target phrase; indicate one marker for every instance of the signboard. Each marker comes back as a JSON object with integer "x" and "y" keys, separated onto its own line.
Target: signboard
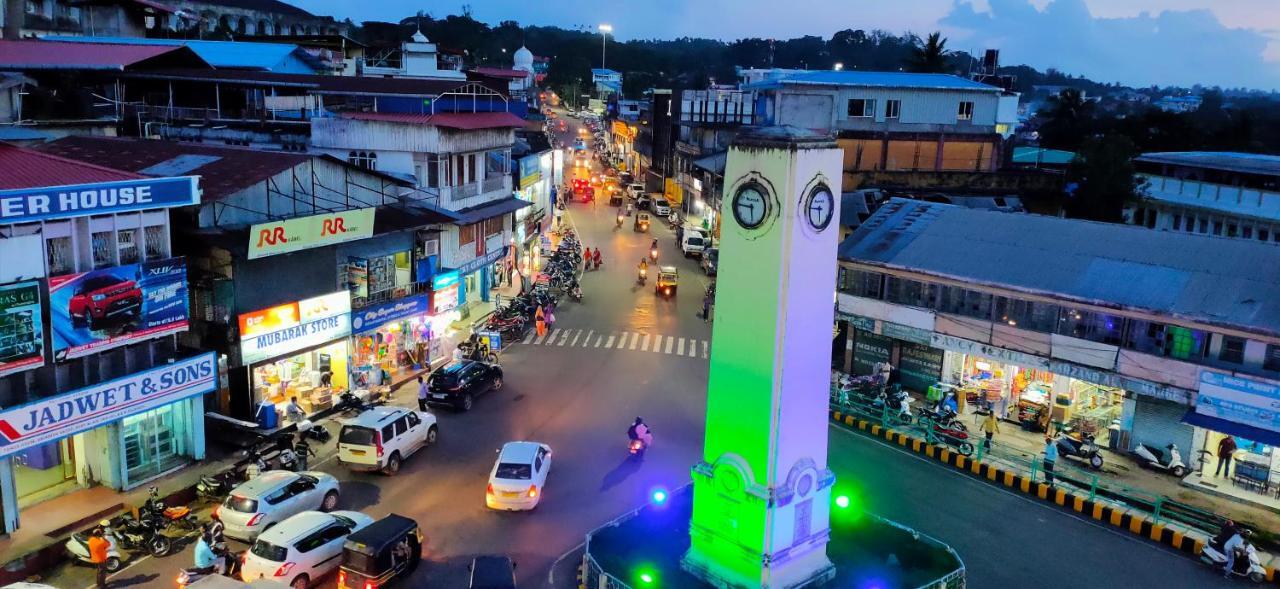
{"x": 530, "y": 171}
{"x": 949, "y": 342}
{"x": 857, "y": 321}
{"x": 21, "y": 328}
{"x": 444, "y": 292}
{"x": 868, "y": 349}
{"x": 276, "y": 331}
{"x": 1242, "y": 400}
{"x": 107, "y": 308}
{"x": 291, "y": 235}
{"x": 905, "y": 333}
{"x": 920, "y": 366}
{"x": 371, "y": 318}
{"x": 25, "y": 205}
{"x": 57, "y": 417}
{"x": 482, "y": 261}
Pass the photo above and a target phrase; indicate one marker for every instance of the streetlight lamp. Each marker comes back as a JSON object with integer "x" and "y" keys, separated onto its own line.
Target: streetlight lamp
{"x": 605, "y": 29}
{"x": 839, "y": 66}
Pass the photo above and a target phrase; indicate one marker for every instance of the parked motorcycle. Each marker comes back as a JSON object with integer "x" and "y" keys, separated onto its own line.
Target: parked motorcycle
{"x": 142, "y": 534}
{"x": 575, "y": 294}
{"x": 1246, "y": 565}
{"x": 78, "y": 547}
{"x": 215, "y": 487}
{"x": 1082, "y": 447}
{"x": 898, "y": 404}
{"x": 1152, "y": 457}
{"x": 154, "y": 508}
{"x": 308, "y": 429}
{"x": 943, "y": 417}
{"x": 954, "y": 437}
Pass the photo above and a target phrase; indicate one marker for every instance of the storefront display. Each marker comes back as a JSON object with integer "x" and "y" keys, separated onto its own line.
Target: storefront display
{"x": 314, "y": 377}
{"x": 391, "y": 341}
{"x": 298, "y": 350}
{"x": 870, "y": 349}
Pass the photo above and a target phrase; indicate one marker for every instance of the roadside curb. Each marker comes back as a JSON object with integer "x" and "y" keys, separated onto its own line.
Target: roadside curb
{"x": 1130, "y": 520}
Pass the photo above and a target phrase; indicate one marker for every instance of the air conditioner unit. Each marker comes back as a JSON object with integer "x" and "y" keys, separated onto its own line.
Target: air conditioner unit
{"x": 431, "y": 248}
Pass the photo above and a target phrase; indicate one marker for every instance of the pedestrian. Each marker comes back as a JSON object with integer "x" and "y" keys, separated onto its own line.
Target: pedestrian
{"x": 541, "y": 318}
{"x": 586, "y": 259}
{"x": 1226, "y": 448}
{"x": 595, "y": 258}
{"x": 98, "y": 547}
{"x": 706, "y": 306}
{"x": 990, "y": 426}
{"x": 422, "y": 394}
{"x": 303, "y": 450}
{"x": 1050, "y": 457}
{"x": 551, "y": 317}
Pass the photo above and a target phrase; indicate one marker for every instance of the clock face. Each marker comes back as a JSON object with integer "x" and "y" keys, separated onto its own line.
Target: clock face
{"x": 819, "y": 207}
{"x": 750, "y": 206}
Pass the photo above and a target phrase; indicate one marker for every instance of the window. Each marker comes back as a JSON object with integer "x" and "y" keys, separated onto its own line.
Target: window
{"x": 1232, "y": 350}
{"x": 906, "y": 292}
{"x": 414, "y": 420}
{"x": 1246, "y": 232}
{"x": 388, "y": 432}
{"x": 1263, "y": 234}
{"x": 1152, "y": 216}
{"x": 1042, "y": 317}
{"x": 1177, "y": 222}
{"x": 1217, "y": 227}
{"x": 367, "y": 160}
{"x": 466, "y": 234}
{"x": 493, "y": 226}
{"x": 433, "y": 171}
{"x": 892, "y": 109}
{"x": 310, "y": 542}
{"x": 1097, "y": 327}
{"x": 965, "y": 112}
{"x": 1271, "y": 361}
{"x": 861, "y": 108}
{"x": 155, "y": 240}
{"x": 1231, "y": 230}
{"x": 1204, "y": 226}
{"x": 61, "y": 260}
{"x": 471, "y": 167}
{"x": 103, "y": 249}
{"x": 402, "y": 425}
{"x": 127, "y": 240}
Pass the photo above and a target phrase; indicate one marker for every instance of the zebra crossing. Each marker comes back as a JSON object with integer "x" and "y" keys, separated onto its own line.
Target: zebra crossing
{"x": 631, "y": 341}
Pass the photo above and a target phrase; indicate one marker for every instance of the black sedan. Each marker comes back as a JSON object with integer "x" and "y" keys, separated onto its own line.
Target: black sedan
{"x": 457, "y": 384}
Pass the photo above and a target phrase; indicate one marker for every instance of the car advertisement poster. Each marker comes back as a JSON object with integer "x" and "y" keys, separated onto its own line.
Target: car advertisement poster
{"x": 21, "y": 327}
{"x": 106, "y": 308}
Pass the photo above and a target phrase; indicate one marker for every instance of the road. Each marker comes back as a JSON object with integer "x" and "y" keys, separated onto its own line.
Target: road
{"x": 578, "y": 392}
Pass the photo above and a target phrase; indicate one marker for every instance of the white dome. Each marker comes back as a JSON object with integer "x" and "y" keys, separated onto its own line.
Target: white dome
{"x": 524, "y": 57}
{"x": 418, "y": 37}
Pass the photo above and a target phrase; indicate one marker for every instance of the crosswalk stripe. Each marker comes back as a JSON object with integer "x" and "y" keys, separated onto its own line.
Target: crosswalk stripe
{"x": 575, "y": 338}
{"x": 680, "y": 348}
{"x": 609, "y": 344}
{"x": 529, "y": 338}
{"x": 657, "y": 343}
{"x": 622, "y": 339}
{"x": 587, "y": 341}
{"x": 552, "y": 336}
{"x": 705, "y": 347}
{"x": 671, "y": 340}
{"x": 693, "y": 348}
{"x": 644, "y": 347}
{"x": 539, "y": 340}
{"x": 635, "y": 341}
{"x": 563, "y": 338}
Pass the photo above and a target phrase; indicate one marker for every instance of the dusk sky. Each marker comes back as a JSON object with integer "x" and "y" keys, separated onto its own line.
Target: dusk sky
{"x": 1136, "y": 42}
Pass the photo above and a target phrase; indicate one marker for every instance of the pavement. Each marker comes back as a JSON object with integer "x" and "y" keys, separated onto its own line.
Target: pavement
{"x": 580, "y": 398}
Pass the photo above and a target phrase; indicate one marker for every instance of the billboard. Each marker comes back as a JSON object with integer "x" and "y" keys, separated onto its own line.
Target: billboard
{"x": 279, "y": 330}
{"x": 1243, "y": 400}
{"x": 106, "y": 308}
{"x": 21, "y": 327}
{"x": 530, "y": 170}
{"x": 54, "y": 418}
{"x": 25, "y": 205}
{"x": 291, "y": 235}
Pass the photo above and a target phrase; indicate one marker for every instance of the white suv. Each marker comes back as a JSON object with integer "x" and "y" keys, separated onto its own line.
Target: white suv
{"x": 382, "y": 437}
{"x": 301, "y": 549}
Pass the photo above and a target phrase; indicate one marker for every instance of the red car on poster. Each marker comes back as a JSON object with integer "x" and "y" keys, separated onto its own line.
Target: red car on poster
{"x": 104, "y": 297}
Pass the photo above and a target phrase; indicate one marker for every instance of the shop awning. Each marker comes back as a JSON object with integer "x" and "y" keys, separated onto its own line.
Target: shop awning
{"x": 1232, "y": 428}
{"x": 490, "y": 210}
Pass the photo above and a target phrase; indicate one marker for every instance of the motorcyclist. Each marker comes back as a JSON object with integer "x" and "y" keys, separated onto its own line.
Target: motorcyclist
{"x": 205, "y": 559}
{"x": 621, "y": 216}
{"x": 212, "y": 532}
{"x": 640, "y": 431}
{"x": 1238, "y": 541}
{"x": 643, "y": 268}
{"x": 1228, "y": 530}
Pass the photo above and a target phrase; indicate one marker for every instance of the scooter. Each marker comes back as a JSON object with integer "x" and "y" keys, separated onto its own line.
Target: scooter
{"x": 1083, "y": 448}
{"x": 229, "y": 566}
{"x": 1153, "y": 457}
{"x": 78, "y": 547}
{"x": 575, "y": 293}
{"x": 620, "y": 219}
{"x": 643, "y": 276}
{"x": 310, "y": 430}
{"x": 1246, "y": 565}
{"x": 653, "y": 254}
{"x": 216, "y": 487}
{"x": 898, "y": 404}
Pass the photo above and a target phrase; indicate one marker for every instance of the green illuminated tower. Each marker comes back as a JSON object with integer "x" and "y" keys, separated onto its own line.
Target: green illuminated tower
{"x": 762, "y": 490}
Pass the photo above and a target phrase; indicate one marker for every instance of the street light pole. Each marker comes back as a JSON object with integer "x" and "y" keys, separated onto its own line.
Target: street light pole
{"x": 604, "y": 34}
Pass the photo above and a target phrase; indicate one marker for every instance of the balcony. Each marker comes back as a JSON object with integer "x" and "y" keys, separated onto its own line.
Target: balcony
{"x": 1233, "y": 200}
{"x": 476, "y": 193}
{"x": 712, "y": 107}
{"x": 391, "y": 294}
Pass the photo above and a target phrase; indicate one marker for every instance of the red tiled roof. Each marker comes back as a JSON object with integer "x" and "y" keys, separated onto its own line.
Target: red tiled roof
{"x": 463, "y": 120}
{"x": 26, "y": 168}
{"x": 319, "y": 84}
{"x": 37, "y": 55}
{"x": 234, "y": 169}
{"x": 497, "y": 72}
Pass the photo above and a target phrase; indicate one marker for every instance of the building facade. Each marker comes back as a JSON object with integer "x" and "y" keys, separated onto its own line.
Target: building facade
{"x": 1135, "y": 336}
{"x": 1224, "y": 194}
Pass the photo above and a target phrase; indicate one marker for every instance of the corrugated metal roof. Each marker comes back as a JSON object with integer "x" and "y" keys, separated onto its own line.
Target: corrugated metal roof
{"x": 465, "y": 120}
{"x": 26, "y": 168}
{"x": 1041, "y": 156}
{"x": 44, "y": 55}
{"x": 491, "y": 209}
{"x": 498, "y": 72}
{"x": 220, "y": 54}
{"x": 595, "y": 71}
{"x": 359, "y": 85}
{"x": 1212, "y": 280}
{"x": 872, "y": 79}
{"x": 1232, "y": 161}
{"x": 226, "y": 169}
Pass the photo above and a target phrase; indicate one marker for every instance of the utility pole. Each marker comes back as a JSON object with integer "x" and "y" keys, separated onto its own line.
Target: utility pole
{"x": 605, "y": 29}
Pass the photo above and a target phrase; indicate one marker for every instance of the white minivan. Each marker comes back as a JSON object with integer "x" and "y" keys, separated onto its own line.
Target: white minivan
{"x": 382, "y": 437}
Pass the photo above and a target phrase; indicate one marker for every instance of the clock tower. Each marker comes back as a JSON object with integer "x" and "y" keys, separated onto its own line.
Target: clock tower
{"x": 762, "y": 489}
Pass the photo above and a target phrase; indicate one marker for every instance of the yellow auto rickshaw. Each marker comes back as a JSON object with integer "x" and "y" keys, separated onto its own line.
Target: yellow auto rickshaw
{"x": 642, "y": 223}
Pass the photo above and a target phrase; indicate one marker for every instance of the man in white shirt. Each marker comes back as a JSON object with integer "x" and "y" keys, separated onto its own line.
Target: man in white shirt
{"x": 422, "y": 394}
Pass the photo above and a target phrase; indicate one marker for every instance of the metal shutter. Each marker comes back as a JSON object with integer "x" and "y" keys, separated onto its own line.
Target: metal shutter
{"x": 1159, "y": 423}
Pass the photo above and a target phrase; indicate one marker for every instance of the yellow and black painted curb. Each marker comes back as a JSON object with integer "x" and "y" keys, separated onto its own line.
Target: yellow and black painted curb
{"x": 1134, "y": 521}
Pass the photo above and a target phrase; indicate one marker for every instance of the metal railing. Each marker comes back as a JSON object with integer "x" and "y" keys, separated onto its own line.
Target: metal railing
{"x": 1090, "y": 483}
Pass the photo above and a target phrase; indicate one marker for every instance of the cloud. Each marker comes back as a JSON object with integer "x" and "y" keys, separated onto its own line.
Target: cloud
{"x": 1181, "y": 47}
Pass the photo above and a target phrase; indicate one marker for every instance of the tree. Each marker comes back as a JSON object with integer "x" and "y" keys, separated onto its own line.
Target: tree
{"x": 1066, "y": 121}
{"x": 931, "y": 56}
{"x": 1101, "y": 179}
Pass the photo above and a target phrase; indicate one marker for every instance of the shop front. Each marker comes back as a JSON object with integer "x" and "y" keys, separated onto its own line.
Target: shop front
{"x": 393, "y": 338}
{"x": 299, "y": 350}
{"x": 1240, "y": 409}
{"x": 476, "y": 277}
{"x": 120, "y": 433}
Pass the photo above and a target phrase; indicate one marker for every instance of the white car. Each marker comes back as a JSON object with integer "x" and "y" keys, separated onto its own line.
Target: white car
{"x": 635, "y": 190}
{"x": 661, "y": 207}
{"x": 518, "y": 476}
{"x": 273, "y": 497}
{"x": 693, "y": 244}
{"x": 382, "y": 437}
{"x": 301, "y": 549}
